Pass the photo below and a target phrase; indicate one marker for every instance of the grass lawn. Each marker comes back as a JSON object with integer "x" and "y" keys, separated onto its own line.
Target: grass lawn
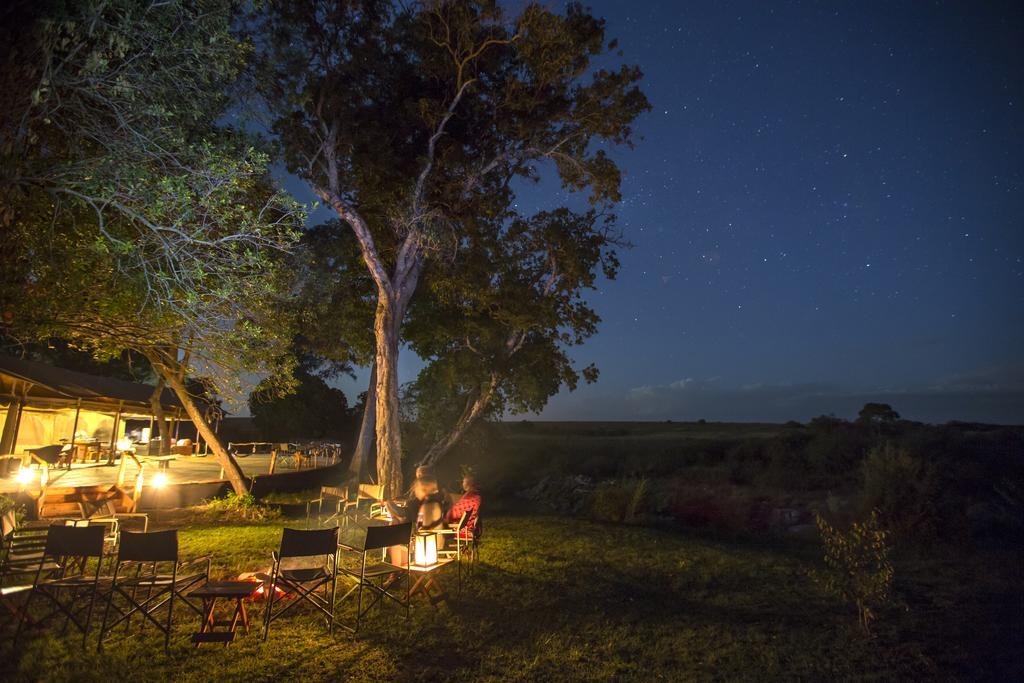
{"x": 557, "y": 599}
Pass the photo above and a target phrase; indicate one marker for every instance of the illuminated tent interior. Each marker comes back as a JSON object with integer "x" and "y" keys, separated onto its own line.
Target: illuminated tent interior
{"x": 42, "y": 405}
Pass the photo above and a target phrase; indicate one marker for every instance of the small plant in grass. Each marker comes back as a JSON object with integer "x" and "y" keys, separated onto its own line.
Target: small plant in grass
{"x": 11, "y": 511}
{"x": 637, "y": 501}
{"x": 244, "y": 508}
{"x": 857, "y": 566}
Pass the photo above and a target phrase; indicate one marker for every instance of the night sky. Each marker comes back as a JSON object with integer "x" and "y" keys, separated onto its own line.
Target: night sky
{"x": 826, "y": 209}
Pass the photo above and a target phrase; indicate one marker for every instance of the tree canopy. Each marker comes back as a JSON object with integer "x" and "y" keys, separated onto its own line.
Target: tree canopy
{"x": 139, "y": 220}
{"x": 413, "y": 121}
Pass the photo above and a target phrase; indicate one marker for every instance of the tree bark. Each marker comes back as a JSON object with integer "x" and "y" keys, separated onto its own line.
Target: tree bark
{"x": 360, "y": 464}
{"x": 388, "y": 428}
{"x": 230, "y": 466}
{"x": 475, "y": 408}
{"x": 162, "y": 428}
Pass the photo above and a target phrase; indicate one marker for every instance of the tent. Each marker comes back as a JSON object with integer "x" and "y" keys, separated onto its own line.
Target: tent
{"x": 42, "y": 404}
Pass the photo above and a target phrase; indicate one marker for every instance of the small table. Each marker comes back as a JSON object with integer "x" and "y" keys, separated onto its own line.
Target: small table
{"x": 427, "y": 578}
{"x": 163, "y": 462}
{"x": 227, "y": 590}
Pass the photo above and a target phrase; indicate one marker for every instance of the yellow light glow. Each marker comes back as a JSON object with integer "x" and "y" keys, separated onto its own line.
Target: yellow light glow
{"x": 159, "y": 480}
{"x": 124, "y": 445}
{"x": 426, "y": 550}
{"x": 24, "y": 476}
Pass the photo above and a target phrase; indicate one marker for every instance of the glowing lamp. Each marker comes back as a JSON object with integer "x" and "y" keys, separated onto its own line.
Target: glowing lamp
{"x": 159, "y": 480}
{"x": 124, "y": 445}
{"x": 24, "y": 476}
{"x": 426, "y": 549}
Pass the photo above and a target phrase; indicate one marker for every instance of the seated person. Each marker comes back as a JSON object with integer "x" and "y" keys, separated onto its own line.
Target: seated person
{"x": 470, "y": 502}
{"x": 426, "y": 506}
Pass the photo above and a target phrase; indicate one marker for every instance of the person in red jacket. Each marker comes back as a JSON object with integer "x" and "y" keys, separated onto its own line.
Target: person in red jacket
{"x": 470, "y": 502}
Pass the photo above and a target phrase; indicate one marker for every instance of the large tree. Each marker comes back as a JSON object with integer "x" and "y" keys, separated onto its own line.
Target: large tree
{"x": 409, "y": 120}
{"x": 136, "y": 220}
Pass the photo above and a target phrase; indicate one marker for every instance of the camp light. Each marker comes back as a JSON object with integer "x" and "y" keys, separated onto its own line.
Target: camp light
{"x": 426, "y": 549}
{"x": 24, "y": 476}
{"x": 159, "y": 480}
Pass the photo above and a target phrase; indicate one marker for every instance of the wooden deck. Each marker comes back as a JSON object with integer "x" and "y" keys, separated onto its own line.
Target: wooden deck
{"x": 183, "y": 470}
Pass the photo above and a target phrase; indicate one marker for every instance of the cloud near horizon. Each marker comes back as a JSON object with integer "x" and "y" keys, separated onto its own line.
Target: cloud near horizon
{"x": 994, "y": 395}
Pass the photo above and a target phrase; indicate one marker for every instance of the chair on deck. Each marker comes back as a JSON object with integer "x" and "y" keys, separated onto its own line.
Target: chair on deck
{"x": 303, "y": 583}
{"x": 160, "y": 585}
{"x": 70, "y": 587}
{"x": 379, "y": 538}
{"x": 55, "y": 455}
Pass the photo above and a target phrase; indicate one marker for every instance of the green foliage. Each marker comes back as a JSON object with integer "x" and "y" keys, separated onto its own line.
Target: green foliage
{"x": 857, "y": 566}
{"x": 239, "y": 508}
{"x": 416, "y": 123}
{"x": 8, "y": 505}
{"x": 138, "y": 221}
{"x": 904, "y": 490}
{"x": 314, "y": 410}
{"x": 619, "y": 501}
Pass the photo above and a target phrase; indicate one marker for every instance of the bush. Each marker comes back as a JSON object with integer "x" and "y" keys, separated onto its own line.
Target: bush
{"x": 233, "y": 507}
{"x": 857, "y": 566}
{"x": 610, "y": 501}
{"x": 903, "y": 490}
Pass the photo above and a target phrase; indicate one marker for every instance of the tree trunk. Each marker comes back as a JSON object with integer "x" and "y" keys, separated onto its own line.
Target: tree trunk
{"x": 475, "y": 408}
{"x": 389, "y": 436}
{"x": 227, "y": 462}
{"x": 360, "y": 464}
{"x": 162, "y": 428}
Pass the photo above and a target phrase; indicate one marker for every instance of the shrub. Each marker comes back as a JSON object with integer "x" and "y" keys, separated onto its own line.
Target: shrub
{"x": 610, "y": 501}
{"x": 233, "y": 507}
{"x": 9, "y": 506}
{"x": 857, "y": 566}
{"x": 638, "y": 500}
{"x": 903, "y": 490}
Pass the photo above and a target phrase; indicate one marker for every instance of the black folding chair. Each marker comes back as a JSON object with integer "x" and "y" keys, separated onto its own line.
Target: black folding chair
{"x": 302, "y": 584}
{"x": 459, "y": 533}
{"x": 19, "y": 561}
{"x": 159, "y": 586}
{"x": 67, "y": 546}
{"x": 379, "y": 538}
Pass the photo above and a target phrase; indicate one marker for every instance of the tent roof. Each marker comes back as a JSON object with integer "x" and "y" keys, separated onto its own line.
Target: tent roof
{"x": 48, "y": 385}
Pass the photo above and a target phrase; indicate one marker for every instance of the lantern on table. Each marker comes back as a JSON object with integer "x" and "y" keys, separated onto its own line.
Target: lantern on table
{"x": 426, "y": 549}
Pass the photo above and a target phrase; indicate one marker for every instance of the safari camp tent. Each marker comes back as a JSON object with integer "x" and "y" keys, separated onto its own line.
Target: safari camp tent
{"x": 43, "y": 405}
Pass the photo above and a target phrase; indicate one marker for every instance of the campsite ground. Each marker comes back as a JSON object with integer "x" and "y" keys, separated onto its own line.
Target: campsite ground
{"x": 557, "y": 598}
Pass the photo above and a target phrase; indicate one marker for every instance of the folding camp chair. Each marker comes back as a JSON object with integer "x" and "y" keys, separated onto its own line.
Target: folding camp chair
{"x": 67, "y": 590}
{"x": 335, "y": 499}
{"x": 19, "y": 562}
{"x": 159, "y": 586}
{"x": 363, "y": 493}
{"x": 303, "y": 583}
{"x": 455, "y": 537}
{"x": 379, "y": 538}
